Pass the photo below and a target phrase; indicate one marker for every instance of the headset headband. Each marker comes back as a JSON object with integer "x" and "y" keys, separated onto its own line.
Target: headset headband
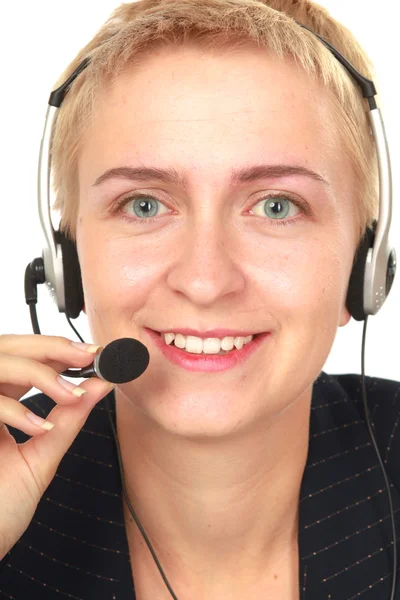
{"x": 376, "y": 267}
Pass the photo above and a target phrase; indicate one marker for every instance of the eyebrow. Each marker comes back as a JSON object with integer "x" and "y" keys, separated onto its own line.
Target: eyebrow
{"x": 244, "y": 175}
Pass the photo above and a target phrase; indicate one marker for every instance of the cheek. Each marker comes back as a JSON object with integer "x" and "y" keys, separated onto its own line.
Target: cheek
{"x": 117, "y": 272}
{"x": 301, "y": 277}
{"x": 317, "y": 309}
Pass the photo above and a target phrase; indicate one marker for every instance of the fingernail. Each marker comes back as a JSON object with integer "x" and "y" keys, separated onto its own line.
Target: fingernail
{"x": 78, "y": 391}
{"x": 92, "y": 349}
{"x": 71, "y": 387}
{"x": 39, "y": 421}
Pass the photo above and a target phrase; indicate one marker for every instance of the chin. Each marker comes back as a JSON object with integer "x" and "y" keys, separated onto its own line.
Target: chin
{"x": 201, "y": 418}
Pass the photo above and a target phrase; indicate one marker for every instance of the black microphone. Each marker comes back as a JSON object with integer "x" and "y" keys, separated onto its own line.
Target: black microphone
{"x": 119, "y": 362}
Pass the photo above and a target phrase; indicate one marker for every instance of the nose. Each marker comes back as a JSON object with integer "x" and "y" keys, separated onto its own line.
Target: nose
{"x": 206, "y": 269}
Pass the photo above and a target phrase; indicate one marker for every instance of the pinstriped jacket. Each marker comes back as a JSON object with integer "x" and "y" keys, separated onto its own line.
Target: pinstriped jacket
{"x": 76, "y": 546}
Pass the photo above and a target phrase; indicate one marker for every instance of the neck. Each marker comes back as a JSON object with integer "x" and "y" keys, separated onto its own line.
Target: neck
{"x": 215, "y": 507}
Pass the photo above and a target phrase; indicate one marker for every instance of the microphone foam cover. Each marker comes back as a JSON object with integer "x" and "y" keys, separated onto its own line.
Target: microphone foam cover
{"x": 123, "y": 360}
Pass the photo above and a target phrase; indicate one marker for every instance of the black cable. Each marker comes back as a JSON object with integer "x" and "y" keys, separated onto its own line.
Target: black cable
{"x": 69, "y": 321}
{"x": 34, "y": 319}
{"x": 35, "y": 326}
{"x": 367, "y": 418}
{"x": 121, "y": 471}
{"x": 142, "y": 531}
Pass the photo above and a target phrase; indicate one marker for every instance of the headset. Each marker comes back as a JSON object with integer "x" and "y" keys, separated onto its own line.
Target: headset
{"x": 371, "y": 279}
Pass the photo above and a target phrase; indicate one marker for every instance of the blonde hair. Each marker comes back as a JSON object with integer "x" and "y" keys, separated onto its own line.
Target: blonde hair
{"x": 137, "y": 28}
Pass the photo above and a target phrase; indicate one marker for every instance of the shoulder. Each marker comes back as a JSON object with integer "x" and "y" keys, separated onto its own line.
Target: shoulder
{"x": 383, "y": 402}
{"x": 350, "y": 383}
{"x": 383, "y": 395}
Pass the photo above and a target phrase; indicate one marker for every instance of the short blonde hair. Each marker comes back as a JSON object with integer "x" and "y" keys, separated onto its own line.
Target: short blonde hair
{"x": 135, "y": 29}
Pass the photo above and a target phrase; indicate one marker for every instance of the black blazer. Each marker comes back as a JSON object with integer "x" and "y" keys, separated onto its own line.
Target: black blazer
{"x": 76, "y": 547}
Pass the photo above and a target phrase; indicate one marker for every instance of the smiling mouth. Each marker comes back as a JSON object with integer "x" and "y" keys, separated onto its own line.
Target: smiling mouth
{"x": 206, "y": 346}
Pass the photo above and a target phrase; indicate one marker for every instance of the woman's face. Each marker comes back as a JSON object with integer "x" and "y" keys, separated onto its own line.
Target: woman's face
{"x": 209, "y": 249}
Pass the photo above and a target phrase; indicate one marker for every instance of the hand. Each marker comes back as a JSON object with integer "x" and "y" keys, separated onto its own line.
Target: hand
{"x": 27, "y": 469}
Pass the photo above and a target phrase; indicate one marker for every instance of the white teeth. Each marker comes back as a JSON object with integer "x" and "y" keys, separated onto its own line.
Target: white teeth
{"x": 238, "y": 343}
{"x": 180, "y": 340}
{"x": 196, "y": 345}
{"x": 169, "y": 337}
{"x": 227, "y": 343}
{"x": 211, "y": 345}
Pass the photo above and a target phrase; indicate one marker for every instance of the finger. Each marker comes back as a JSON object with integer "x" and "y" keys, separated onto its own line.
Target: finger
{"x": 57, "y": 352}
{"x": 16, "y": 415}
{"x": 44, "y": 452}
{"x": 18, "y": 371}
{"x": 48, "y": 349}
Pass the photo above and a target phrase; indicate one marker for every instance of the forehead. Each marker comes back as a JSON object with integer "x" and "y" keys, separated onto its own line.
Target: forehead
{"x": 206, "y": 110}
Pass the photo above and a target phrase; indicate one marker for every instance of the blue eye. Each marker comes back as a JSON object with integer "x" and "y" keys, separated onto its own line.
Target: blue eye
{"x": 276, "y": 208}
{"x": 144, "y": 206}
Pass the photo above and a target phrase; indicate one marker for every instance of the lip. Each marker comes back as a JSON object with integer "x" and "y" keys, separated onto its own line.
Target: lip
{"x": 211, "y": 363}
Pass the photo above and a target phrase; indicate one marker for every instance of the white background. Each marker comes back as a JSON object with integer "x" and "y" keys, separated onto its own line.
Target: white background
{"x": 38, "y": 41}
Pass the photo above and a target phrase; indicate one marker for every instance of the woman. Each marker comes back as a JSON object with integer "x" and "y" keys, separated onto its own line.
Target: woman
{"x": 215, "y": 168}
